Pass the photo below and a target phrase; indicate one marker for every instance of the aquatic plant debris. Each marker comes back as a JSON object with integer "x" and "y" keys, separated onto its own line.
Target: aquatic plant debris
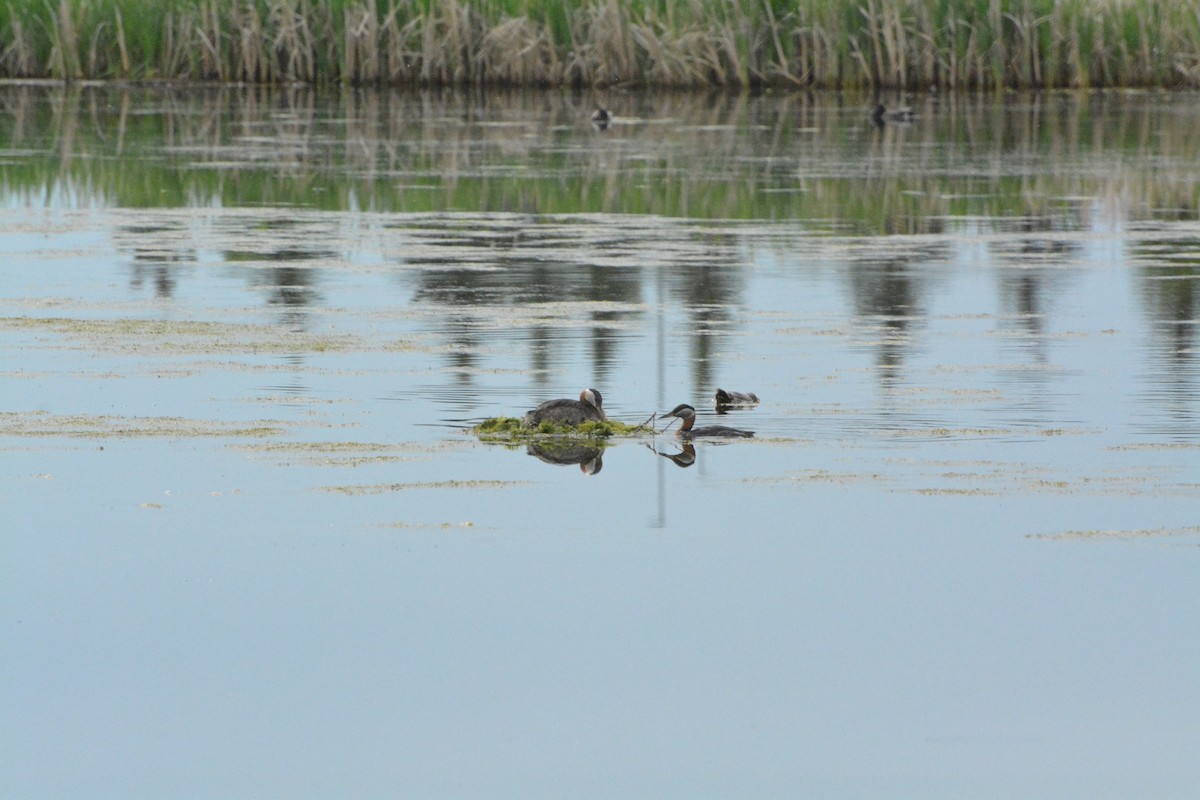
{"x": 384, "y": 488}
{"x": 345, "y": 454}
{"x": 1139, "y": 533}
{"x": 510, "y": 430}
{"x": 41, "y": 423}
{"x": 131, "y": 336}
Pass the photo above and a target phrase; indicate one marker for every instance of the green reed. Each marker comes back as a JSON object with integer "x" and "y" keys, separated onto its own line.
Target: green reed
{"x": 668, "y": 43}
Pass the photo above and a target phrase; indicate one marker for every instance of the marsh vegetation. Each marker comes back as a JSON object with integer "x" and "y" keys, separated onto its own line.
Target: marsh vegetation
{"x": 811, "y": 43}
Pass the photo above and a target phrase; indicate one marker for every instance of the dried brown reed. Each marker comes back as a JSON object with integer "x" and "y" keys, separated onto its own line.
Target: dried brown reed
{"x": 820, "y": 43}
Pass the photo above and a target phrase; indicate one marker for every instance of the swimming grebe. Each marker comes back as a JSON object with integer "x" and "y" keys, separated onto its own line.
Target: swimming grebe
{"x": 601, "y": 117}
{"x": 688, "y": 414}
{"x": 588, "y": 408}
{"x": 881, "y": 115}
{"x": 725, "y": 398}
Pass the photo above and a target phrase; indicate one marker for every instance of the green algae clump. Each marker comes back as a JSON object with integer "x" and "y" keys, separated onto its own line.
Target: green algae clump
{"x": 512, "y": 429}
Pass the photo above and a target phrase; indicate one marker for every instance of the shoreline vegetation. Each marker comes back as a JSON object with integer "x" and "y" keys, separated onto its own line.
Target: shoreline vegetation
{"x": 820, "y": 44}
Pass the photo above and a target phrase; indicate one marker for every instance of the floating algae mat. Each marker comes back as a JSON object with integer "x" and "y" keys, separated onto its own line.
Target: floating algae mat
{"x": 510, "y": 430}
{"x": 557, "y": 443}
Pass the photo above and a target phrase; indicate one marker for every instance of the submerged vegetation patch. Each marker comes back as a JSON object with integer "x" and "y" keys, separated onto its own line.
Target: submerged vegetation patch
{"x": 817, "y": 43}
{"x": 344, "y": 454}
{"x": 385, "y": 488}
{"x": 131, "y": 336}
{"x": 107, "y": 426}
{"x": 1135, "y": 533}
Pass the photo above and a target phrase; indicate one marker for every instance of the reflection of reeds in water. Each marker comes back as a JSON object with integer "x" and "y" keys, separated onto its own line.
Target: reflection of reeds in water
{"x": 821, "y": 43}
{"x": 803, "y": 157}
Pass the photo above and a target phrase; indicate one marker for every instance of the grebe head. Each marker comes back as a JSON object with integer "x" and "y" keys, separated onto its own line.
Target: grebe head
{"x": 591, "y": 397}
{"x": 682, "y": 411}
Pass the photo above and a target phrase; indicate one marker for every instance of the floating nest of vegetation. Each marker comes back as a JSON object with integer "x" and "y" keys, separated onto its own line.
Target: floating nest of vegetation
{"x": 511, "y": 430}
{"x": 556, "y": 443}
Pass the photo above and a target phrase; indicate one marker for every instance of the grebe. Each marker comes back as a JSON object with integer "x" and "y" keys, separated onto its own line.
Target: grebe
{"x": 881, "y": 115}
{"x": 601, "y": 118}
{"x": 725, "y": 398}
{"x": 588, "y": 408}
{"x": 688, "y": 414}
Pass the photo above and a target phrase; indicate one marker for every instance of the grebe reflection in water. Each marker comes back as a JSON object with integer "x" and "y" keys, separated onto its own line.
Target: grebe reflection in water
{"x": 588, "y": 408}
{"x": 684, "y": 458}
{"x": 590, "y": 459}
{"x": 688, "y": 414}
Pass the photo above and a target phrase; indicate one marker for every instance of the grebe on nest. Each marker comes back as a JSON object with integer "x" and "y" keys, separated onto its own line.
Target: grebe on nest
{"x": 588, "y": 408}
{"x": 688, "y": 414}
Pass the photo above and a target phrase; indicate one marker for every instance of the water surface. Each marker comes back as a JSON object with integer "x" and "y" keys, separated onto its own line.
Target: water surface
{"x": 252, "y": 548}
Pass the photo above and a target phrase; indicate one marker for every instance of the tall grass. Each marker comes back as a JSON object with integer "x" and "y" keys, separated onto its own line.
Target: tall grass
{"x": 667, "y": 43}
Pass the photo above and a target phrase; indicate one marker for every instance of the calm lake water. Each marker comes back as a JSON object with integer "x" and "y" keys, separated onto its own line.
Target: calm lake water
{"x": 251, "y": 548}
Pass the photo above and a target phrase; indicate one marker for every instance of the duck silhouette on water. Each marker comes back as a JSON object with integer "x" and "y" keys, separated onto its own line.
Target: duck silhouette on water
{"x": 687, "y": 413}
{"x": 564, "y": 411}
{"x": 882, "y": 115}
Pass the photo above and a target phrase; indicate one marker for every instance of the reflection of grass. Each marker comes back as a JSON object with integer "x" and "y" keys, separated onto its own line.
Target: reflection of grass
{"x": 232, "y": 148}
{"x": 829, "y": 43}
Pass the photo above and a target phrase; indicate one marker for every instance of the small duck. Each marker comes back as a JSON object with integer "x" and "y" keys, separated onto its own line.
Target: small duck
{"x": 588, "y": 408}
{"x": 601, "y": 118}
{"x": 725, "y": 398}
{"x": 881, "y": 115}
{"x": 688, "y": 414}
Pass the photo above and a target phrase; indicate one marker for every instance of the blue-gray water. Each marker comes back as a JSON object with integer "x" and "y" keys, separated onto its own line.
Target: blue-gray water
{"x": 251, "y": 550}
